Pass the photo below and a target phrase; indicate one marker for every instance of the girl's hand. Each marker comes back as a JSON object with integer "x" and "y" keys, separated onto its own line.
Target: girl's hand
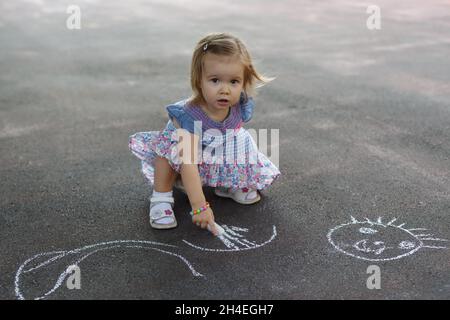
{"x": 205, "y": 218}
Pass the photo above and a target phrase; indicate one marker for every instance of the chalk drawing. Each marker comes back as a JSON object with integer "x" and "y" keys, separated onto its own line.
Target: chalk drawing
{"x": 234, "y": 240}
{"x": 76, "y": 256}
{"x": 378, "y": 241}
{"x": 231, "y": 237}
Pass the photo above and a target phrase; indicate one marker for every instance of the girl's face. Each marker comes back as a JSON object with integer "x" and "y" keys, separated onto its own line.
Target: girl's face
{"x": 222, "y": 80}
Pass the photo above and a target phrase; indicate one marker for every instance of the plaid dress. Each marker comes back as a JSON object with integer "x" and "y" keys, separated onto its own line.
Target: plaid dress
{"x": 229, "y": 157}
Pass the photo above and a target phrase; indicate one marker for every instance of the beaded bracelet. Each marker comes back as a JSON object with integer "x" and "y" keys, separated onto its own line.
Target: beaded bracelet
{"x": 197, "y": 211}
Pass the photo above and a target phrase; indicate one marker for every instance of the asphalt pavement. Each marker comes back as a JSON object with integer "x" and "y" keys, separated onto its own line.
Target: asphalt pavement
{"x": 364, "y": 152}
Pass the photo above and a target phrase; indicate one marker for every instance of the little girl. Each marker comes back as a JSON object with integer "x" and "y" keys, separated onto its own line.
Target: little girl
{"x": 222, "y": 76}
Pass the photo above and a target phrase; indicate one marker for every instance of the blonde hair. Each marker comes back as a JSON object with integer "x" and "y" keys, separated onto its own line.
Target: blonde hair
{"x": 228, "y": 45}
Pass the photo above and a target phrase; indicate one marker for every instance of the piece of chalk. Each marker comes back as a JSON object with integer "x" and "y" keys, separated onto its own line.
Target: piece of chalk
{"x": 219, "y": 229}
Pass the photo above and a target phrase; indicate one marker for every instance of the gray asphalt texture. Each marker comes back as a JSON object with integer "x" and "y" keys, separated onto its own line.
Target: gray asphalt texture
{"x": 364, "y": 120}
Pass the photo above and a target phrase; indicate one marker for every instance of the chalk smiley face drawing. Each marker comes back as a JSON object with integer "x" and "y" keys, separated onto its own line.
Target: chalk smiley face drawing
{"x": 378, "y": 241}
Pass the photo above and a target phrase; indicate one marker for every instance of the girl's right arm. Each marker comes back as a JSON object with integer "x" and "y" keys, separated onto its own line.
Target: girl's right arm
{"x": 192, "y": 182}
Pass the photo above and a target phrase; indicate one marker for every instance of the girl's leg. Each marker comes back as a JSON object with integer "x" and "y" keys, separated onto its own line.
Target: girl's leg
{"x": 165, "y": 176}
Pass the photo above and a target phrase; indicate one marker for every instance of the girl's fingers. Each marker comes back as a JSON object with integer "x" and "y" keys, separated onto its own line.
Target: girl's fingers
{"x": 197, "y": 222}
{"x": 213, "y": 229}
{"x": 203, "y": 221}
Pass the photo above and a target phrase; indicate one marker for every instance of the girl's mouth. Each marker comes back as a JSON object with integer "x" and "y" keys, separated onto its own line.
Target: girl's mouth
{"x": 222, "y": 102}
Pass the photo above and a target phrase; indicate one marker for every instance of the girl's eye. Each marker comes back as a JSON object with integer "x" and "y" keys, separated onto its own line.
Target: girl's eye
{"x": 215, "y": 80}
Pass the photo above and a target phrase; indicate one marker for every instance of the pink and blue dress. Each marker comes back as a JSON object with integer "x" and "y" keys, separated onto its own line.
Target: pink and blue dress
{"x": 241, "y": 164}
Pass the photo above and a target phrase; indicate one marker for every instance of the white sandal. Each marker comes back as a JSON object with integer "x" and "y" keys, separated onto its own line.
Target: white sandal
{"x": 240, "y": 195}
{"x": 159, "y": 213}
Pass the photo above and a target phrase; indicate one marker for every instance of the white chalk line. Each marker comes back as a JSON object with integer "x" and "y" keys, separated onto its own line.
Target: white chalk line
{"x": 226, "y": 242}
{"x": 64, "y": 253}
{"x": 237, "y": 241}
{"x": 46, "y": 262}
{"x": 64, "y": 274}
{"x": 226, "y": 238}
{"x": 435, "y": 247}
{"x": 229, "y": 232}
{"x": 364, "y": 258}
{"x": 390, "y": 223}
{"x": 193, "y": 271}
{"x": 234, "y": 228}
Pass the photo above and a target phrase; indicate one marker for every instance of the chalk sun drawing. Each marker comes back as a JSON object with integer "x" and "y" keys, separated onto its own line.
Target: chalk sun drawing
{"x": 232, "y": 238}
{"x": 378, "y": 241}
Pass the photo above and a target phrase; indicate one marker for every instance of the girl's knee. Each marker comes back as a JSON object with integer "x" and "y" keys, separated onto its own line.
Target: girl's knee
{"x": 162, "y": 160}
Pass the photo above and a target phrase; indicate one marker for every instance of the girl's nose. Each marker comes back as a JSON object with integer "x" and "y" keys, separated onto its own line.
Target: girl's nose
{"x": 224, "y": 89}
